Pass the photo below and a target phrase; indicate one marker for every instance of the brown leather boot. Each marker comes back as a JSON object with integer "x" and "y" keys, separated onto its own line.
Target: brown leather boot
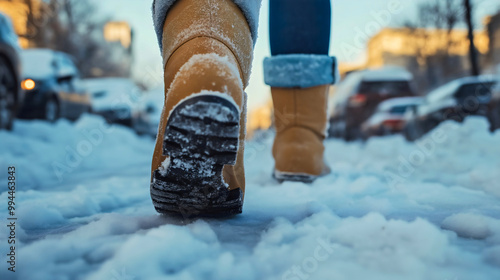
{"x": 197, "y": 166}
{"x": 300, "y": 86}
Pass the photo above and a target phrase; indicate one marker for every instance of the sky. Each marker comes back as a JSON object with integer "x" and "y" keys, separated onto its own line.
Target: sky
{"x": 353, "y": 22}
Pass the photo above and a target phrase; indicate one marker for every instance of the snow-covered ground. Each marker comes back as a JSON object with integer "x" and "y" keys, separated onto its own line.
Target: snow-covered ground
{"x": 390, "y": 210}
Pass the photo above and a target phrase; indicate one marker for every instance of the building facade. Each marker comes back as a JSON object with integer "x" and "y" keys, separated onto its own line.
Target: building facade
{"x": 395, "y": 45}
{"x": 493, "y": 27}
{"x": 19, "y": 12}
{"x": 433, "y": 56}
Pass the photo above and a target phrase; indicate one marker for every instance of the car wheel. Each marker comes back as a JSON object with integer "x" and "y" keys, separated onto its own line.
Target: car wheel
{"x": 345, "y": 134}
{"x": 365, "y": 135}
{"x": 352, "y": 134}
{"x": 413, "y": 130}
{"x": 431, "y": 124}
{"x": 386, "y": 132}
{"x": 334, "y": 130}
{"x": 7, "y": 95}
{"x": 51, "y": 112}
{"x": 409, "y": 131}
{"x": 494, "y": 118}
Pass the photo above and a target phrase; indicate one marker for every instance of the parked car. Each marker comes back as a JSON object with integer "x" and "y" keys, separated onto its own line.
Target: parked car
{"x": 147, "y": 119}
{"x": 389, "y": 117}
{"x": 359, "y": 94}
{"x": 115, "y": 99}
{"x": 453, "y": 101}
{"x": 10, "y": 66}
{"x": 52, "y": 86}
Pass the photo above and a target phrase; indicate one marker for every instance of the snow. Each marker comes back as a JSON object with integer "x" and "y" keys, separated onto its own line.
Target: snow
{"x": 299, "y": 70}
{"x": 400, "y": 101}
{"x": 471, "y": 225}
{"x": 43, "y": 64}
{"x": 451, "y": 87}
{"x": 54, "y": 154}
{"x": 112, "y": 93}
{"x": 386, "y": 74}
{"x": 478, "y": 79}
{"x": 390, "y": 210}
{"x": 164, "y": 166}
{"x": 251, "y": 9}
{"x": 225, "y": 68}
{"x": 492, "y": 255}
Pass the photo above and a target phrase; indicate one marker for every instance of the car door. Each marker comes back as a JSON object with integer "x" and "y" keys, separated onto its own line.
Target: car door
{"x": 83, "y": 96}
{"x": 80, "y": 98}
{"x": 67, "y": 76}
{"x": 65, "y": 97}
{"x": 61, "y": 87}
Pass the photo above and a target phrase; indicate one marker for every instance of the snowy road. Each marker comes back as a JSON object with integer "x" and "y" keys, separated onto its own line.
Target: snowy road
{"x": 390, "y": 210}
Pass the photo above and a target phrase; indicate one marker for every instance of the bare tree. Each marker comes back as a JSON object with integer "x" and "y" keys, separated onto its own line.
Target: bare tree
{"x": 435, "y": 17}
{"x": 442, "y": 15}
{"x": 71, "y": 26}
{"x": 36, "y": 15}
{"x": 472, "y": 49}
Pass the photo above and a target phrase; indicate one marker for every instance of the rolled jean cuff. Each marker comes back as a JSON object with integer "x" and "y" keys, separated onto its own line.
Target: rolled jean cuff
{"x": 300, "y": 70}
{"x": 250, "y": 9}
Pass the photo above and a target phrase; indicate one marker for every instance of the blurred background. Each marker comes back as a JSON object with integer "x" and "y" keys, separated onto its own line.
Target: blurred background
{"x": 414, "y": 190}
{"x": 64, "y": 58}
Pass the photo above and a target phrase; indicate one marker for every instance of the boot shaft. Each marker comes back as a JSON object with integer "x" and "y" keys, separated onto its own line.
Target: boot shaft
{"x": 300, "y": 117}
{"x": 306, "y": 108}
{"x": 220, "y": 20}
{"x": 300, "y": 87}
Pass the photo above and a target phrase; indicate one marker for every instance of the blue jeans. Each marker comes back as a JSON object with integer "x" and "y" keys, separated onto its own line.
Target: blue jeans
{"x": 296, "y": 26}
{"x": 299, "y": 26}
{"x": 300, "y": 38}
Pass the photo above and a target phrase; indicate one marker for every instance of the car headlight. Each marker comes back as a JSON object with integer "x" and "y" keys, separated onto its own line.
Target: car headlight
{"x": 28, "y": 84}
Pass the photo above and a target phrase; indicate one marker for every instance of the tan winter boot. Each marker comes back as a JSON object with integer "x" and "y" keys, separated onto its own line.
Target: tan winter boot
{"x": 197, "y": 166}
{"x": 300, "y": 86}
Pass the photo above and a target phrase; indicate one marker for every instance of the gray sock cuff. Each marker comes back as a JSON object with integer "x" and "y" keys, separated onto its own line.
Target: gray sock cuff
{"x": 250, "y": 9}
{"x": 300, "y": 70}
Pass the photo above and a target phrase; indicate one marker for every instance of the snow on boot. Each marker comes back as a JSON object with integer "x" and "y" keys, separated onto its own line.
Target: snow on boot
{"x": 197, "y": 167}
{"x": 300, "y": 86}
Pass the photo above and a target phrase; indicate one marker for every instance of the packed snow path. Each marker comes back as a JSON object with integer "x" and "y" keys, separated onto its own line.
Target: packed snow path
{"x": 390, "y": 210}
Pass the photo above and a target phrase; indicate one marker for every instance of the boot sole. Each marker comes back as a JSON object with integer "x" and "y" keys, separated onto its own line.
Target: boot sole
{"x": 201, "y": 136}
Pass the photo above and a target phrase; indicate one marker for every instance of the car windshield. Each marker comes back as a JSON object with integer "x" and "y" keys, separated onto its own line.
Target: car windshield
{"x": 385, "y": 87}
{"x": 99, "y": 94}
{"x": 400, "y": 110}
{"x": 443, "y": 91}
{"x": 477, "y": 90}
